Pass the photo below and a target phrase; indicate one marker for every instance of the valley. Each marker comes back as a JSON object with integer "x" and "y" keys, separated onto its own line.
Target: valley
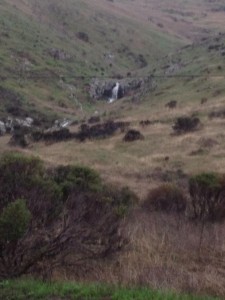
{"x": 59, "y": 63}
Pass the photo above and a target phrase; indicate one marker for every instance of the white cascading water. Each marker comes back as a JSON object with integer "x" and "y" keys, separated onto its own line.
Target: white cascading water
{"x": 115, "y": 92}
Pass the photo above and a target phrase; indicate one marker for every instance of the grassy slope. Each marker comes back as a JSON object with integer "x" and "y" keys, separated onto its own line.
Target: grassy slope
{"x": 29, "y": 29}
{"x": 28, "y": 289}
{"x": 124, "y": 29}
{"x": 133, "y": 164}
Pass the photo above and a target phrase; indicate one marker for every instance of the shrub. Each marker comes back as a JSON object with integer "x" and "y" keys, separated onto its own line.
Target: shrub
{"x": 171, "y": 104}
{"x": 167, "y": 198}
{"x": 77, "y": 177}
{"x": 14, "y": 221}
{"x": 25, "y": 177}
{"x": 17, "y": 173}
{"x": 186, "y": 124}
{"x": 207, "y": 196}
{"x": 133, "y": 135}
{"x": 19, "y": 137}
{"x": 121, "y": 199}
{"x": 68, "y": 212}
{"x": 83, "y": 36}
{"x": 94, "y": 119}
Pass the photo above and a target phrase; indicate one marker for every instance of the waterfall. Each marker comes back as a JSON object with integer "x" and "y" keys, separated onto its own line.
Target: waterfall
{"x": 115, "y": 92}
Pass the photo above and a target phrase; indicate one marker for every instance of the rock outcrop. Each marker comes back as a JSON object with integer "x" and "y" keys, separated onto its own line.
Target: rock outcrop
{"x": 102, "y": 89}
{"x": 2, "y": 128}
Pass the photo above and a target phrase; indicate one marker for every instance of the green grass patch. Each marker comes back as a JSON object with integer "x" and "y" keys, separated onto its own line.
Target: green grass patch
{"x": 31, "y": 289}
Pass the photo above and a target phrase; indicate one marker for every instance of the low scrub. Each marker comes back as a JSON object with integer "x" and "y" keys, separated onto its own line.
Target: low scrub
{"x": 186, "y": 124}
{"x": 133, "y": 135}
{"x": 120, "y": 198}
{"x": 77, "y": 178}
{"x": 207, "y": 196}
{"x": 167, "y": 198}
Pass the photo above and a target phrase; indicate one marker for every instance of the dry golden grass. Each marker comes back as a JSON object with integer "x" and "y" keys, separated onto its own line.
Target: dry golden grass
{"x": 141, "y": 164}
{"x": 164, "y": 252}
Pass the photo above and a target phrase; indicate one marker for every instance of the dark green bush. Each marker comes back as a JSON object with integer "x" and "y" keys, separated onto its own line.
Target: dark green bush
{"x": 18, "y": 172}
{"x": 68, "y": 211}
{"x": 186, "y": 124}
{"x": 14, "y": 221}
{"x": 77, "y": 177}
{"x": 207, "y": 196}
{"x": 167, "y": 198}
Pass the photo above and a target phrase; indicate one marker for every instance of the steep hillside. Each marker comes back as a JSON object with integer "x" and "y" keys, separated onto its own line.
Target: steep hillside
{"x": 50, "y": 50}
{"x": 48, "y": 47}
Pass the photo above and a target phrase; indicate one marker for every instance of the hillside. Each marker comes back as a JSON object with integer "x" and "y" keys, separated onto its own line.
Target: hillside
{"x": 193, "y": 77}
{"x": 48, "y": 47}
{"x": 172, "y": 56}
{"x": 190, "y": 75}
{"x": 51, "y": 50}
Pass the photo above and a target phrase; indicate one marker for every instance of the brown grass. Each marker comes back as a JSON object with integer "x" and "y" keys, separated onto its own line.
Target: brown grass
{"x": 165, "y": 252}
{"x": 144, "y": 164}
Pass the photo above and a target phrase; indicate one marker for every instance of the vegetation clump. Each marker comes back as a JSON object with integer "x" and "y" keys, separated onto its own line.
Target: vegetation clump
{"x": 186, "y": 124}
{"x": 133, "y": 135}
{"x": 167, "y": 198}
{"x": 66, "y": 211}
{"x": 171, "y": 104}
{"x": 14, "y": 221}
{"x": 77, "y": 178}
{"x": 207, "y": 199}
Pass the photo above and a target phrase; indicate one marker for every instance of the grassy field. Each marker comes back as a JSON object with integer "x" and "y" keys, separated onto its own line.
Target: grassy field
{"x": 30, "y": 289}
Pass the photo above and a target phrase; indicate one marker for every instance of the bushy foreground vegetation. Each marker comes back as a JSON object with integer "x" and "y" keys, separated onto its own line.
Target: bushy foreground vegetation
{"x": 65, "y": 218}
{"x": 29, "y": 289}
{"x": 60, "y": 216}
{"x": 204, "y": 202}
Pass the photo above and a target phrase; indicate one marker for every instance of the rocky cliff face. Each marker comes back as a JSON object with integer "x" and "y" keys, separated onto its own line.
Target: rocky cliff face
{"x": 101, "y": 89}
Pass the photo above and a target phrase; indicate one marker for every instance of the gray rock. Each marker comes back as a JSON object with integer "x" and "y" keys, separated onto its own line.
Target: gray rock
{"x": 29, "y": 121}
{"x": 2, "y": 128}
{"x": 102, "y": 89}
{"x": 11, "y": 123}
{"x": 61, "y": 124}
